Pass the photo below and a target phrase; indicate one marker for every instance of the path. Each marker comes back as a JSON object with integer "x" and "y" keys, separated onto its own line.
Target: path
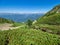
{"x": 7, "y": 26}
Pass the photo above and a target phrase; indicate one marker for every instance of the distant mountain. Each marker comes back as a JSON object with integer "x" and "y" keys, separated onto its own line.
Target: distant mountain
{"x": 51, "y": 17}
{"x": 20, "y": 17}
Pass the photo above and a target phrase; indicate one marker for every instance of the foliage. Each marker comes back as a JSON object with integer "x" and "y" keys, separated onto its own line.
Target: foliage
{"x": 26, "y": 36}
{"x": 55, "y": 29}
{"x": 3, "y": 20}
{"x": 15, "y": 24}
{"x": 51, "y": 17}
{"x": 29, "y": 23}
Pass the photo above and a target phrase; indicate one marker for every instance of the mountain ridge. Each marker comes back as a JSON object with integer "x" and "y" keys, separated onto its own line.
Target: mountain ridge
{"x": 51, "y": 17}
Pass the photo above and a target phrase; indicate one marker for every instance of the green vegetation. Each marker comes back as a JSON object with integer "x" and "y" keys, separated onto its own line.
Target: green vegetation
{"x": 50, "y": 22}
{"x": 29, "y": 23}
{"x": 26, "y": 36}
{"x": 15, "y": 24}
{"x": 3, "y": 20}
{"x": 53, "y": 11}
{"x": 54, "y": 29}
{"x": 52, "y": 17}
{"x": 43, "y": 32}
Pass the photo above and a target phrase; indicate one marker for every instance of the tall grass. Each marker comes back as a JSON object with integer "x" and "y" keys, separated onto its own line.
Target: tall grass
{"x": 26, "y": 36}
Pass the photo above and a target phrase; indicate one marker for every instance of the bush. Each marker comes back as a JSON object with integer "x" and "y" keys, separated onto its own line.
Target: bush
{"x": 29, "y": 23}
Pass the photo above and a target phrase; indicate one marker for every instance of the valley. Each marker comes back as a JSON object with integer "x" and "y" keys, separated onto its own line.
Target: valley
{"x": 44, "y": 30}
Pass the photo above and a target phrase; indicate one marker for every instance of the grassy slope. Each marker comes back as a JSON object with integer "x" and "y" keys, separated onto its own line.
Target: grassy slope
{"x": 51, "y": 22}
{"x": 25, "y": 36}
{"x": 3, "y": 20}
{"x": 54, "y": 28}
{"x": 17, "y": 24}
{"x": 52, "y": 19}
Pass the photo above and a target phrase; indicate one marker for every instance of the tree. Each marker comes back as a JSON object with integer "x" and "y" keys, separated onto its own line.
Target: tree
{"x": 29, "y": 23}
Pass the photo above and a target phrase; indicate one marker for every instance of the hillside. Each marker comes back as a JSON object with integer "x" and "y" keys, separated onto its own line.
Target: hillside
{"x": 55, "y": 10}
{"x": 26, "y": 36}
{"x": 3, "y": 20}
{"x": 51, "y": 17}
{"x": 42, "y": 33}
{"x": 50, "y": 22}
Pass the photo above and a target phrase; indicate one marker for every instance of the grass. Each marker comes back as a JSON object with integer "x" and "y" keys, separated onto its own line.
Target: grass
{"x": 3, "y": 20}
{"x": 51, "y": 19}
{"x": 17, "y": 24}
{"x": 30, "y": 36}
{"x": 54, "y": 28}
{"x": 26, "y": 36}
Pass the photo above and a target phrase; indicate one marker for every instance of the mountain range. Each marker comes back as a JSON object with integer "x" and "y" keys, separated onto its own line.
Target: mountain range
{"x": 20, "y": 17}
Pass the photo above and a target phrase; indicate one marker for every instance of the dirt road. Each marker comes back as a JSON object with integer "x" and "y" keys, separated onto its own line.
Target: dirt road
{"x": 7, "y": 26}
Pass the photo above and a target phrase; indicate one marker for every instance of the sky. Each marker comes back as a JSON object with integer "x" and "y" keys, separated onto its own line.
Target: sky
{"x": 27, "y": 6}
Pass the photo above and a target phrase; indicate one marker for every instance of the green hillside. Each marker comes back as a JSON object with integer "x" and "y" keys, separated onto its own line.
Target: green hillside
{"x": 51, "y": 17}
{"x": 3, "y": 20}
{"x": 50, "y": 22}
{"x": 43, "y": 32}
{"x": 25, "y": 36}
